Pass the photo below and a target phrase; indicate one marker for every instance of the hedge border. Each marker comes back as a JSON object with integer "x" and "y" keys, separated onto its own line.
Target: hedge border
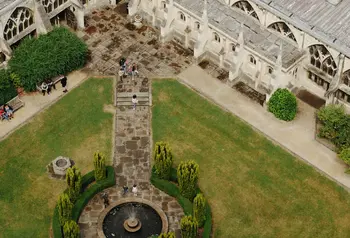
{"x": 85, "y": 197}
{"x": 172, "y": 189}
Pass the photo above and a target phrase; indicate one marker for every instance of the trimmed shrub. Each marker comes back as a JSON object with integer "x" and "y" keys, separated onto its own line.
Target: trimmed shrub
{"x": 100, "y": 166}
{"x": 71, "y": 229}
{"x": 163, "y": 160}
{"x": 189, "y": 227}
{"x": 64, "y": 206}
{"x": 199, "y": 209}
{"x": 85, "y": 197}
{"x": 7, "y": 89}
{"x": 167, "y": 235}
{"x": 345, "y": 156}
{"x": 57, "y": 52}
{"x": 187, "y": 176}
{"x": 335, "y": 125}
{"x": 283, "y": 104}
{"x": 73, "y": 178}
{"x": 89, "y": 193}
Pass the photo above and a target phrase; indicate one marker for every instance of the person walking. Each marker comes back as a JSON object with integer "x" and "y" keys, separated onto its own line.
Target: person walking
{"x": 134, "y": 101}
{"x": 134, "y": 190}
{"x": 134, "y": 71}
{"x": 64, "y": 84}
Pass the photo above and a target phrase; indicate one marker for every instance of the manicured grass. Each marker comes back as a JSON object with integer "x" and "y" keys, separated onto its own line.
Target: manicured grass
{"x": 255, "y": 188}
{"x": 76, "y": 126}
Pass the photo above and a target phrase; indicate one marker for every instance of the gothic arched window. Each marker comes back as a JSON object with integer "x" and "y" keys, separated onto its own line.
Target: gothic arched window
{"x": 50, "y": 5}
{"x": 216, "y": 37}
{"x": 346, "y": 78}
{"x": 322, "y": 59}
{"x": 282, "y": 28}
{"x": 19, "y": 20}
{"x": 247, "y": 8}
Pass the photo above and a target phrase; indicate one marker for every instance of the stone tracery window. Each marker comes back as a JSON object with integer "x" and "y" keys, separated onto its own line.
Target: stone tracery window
{"x": 50, "y": 5}
{"x": 247, "y": 8}
{"x": 19, "y": 20}
{"x": 346, "y": 78}
{"x": 282, "y": 28}
{"x": 322, "y": 59}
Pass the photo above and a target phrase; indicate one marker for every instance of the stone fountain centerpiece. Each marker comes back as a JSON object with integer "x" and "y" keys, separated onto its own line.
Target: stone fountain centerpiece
{"x": 58, "y": 167}
{"x": 132, "y": 217}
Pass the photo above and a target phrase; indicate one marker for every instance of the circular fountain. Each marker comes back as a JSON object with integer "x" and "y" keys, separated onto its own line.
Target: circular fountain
{"x": 132, "y": 218}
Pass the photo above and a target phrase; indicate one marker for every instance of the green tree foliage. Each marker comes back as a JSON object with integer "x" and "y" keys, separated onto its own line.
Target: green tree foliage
{"x": 100, "y": 166}
{"x": 71, "y": 229}
{"x": 199, "y": 209}
{"x": 187, "y": 174}
{"x": 335, "y": 125}
{"x": 163, "y": 159}
{"x": 7, "y": 89}
{"x": 73, "y": 178}
{"x": 57, "y": 52}
{"x": 189, "y": 227}
{"x": 345, "y": 155}
{"x": 283, "y": 104}
{"x": 65, "y": 207}
{"x": 167, "y": 235}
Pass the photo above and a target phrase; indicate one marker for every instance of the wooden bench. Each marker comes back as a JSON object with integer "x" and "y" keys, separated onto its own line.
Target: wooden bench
{"x": 15, "y": 103}
{"x": 53, "y": 81}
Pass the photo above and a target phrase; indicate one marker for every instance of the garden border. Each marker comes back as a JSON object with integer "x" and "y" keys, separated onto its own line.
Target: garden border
{"x": 84, "y": 197}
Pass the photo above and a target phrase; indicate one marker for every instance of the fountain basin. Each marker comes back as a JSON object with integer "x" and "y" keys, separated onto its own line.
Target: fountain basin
{"x": 133, "y": 218}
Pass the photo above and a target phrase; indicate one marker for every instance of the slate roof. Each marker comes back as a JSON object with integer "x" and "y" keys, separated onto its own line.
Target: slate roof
{"x": 261, "y": 40}
{"x": 327, "y": 22}
{"x": 4, "y": 3}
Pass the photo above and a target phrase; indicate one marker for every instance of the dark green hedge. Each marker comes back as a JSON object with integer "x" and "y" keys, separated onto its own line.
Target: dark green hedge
{"x": 171, "y": 189}
{"x": 85, "y": 197}
{"x": 7, "y": 89}
{"x": 57, "y": 52}
{"x": 283, "y": 104}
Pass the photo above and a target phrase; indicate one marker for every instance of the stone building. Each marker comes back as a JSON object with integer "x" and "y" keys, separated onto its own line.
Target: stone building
{"x": 267, "y": 44}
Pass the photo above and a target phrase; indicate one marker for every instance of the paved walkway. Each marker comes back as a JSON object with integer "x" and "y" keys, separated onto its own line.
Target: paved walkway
{"x": 296, "y": 136}
{"x": 35, "y": 102}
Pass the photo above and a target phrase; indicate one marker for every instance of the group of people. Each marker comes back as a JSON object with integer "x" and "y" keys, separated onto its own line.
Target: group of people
{"x": 6, "y": 112}
{"x": 133, "y": 190}
{"x": 47, "y": 85}
{"x": 126, "y": 68}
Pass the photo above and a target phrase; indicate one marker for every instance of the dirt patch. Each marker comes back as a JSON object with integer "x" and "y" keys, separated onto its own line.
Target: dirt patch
{"x": 311, "y": 99}
{"x": 223, "y": 76}
{"x": 91, "y": 30}
{"x": 122, "y": 9}
{"x": 203, "y": 64}
{"x": 109, "y": 108}
{"x": 130, "y": 26}
{"x": 163, "y": 97}
{"x": 251, "y": 93}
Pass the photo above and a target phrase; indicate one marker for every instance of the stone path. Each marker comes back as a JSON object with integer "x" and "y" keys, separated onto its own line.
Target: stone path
{"x": 109, "y": 38}
{"x": 35, "y": 102}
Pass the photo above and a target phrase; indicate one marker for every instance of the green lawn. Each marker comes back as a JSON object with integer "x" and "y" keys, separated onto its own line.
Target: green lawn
{"x": 76, "y": 126}
{"x": 255, "y": 188}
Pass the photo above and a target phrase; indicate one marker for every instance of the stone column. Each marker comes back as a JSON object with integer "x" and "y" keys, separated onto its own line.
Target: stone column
{"x": 167, "y": 23}
{"x": 41, "y": 19}
{"x": 204, "y": 33}
{"x": 261, "y": 73}
{"x": 334, "y": 85}
{"x": 222, "y": 57}
{"x": 79, "y": 14}
{"x": 132, "y": 7}
{"x": 5, "y": 48}
{"x": 154, "y": 16}
{"x": 238, "y": 57}
{"x": 187, "y": 37}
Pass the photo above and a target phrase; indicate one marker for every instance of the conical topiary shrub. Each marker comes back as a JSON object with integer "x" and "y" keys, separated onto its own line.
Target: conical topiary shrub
{"x": 163, "y": 160}
{"x": 187, "y": 176}
{"x": 167, "y": 235}
{"x": 100, "y": 166}
{"x": 64, "y": 206}
{"x": 199, "y": 206}
{"x": 189, "y": 227}
{"x": 71, "y": 229}
{"x": 73, "y": 178}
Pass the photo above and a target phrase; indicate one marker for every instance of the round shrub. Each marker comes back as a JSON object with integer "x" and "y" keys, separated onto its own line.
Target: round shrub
{"x": 345, "y": 156}
{"x": 283, "y": 104}
{"x": 37, "y": 59}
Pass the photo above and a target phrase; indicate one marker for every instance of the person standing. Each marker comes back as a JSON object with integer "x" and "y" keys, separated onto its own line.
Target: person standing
{"x": 44, "y": 88}
{"x": 134, "y": 190}
{"x": 64, "y": 84}
{"x": 134, "y": 101}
